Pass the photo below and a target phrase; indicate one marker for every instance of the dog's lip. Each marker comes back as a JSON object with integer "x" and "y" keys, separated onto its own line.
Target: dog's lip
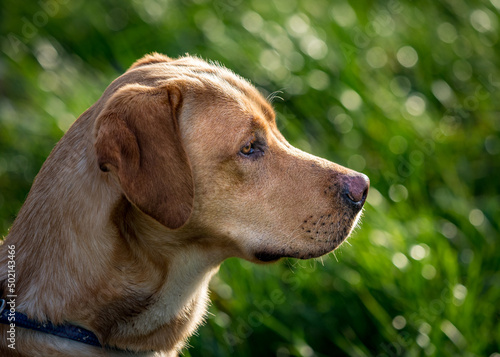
{"x": 269, "y": 256}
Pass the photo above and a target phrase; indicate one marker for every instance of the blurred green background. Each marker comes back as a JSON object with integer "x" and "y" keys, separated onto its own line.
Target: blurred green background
{"x": 405, "y": 91}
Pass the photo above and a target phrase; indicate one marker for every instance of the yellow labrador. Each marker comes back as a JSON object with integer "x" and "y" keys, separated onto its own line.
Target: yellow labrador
{"x": 178, "y": 166}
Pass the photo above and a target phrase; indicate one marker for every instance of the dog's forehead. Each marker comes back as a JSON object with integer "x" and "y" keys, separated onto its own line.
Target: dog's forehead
{"x": 212, "y": 80}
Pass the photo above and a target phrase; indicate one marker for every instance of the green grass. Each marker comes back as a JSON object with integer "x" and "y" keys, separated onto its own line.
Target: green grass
{"x": 406, "y": 92}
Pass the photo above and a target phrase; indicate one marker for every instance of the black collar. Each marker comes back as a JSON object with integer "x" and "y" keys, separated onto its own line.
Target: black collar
{"x": 11, "y": 317}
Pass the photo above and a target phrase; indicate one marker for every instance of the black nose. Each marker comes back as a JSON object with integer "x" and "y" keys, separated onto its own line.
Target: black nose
{"x": 356, "y": 188}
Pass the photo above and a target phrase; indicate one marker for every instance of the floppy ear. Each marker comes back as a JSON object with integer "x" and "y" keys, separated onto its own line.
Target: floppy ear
{"x": 138, "y": 138}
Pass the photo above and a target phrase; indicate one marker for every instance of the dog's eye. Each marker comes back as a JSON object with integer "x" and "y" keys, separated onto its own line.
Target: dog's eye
{"x": 253, "y": 149}
{"x": 248, "y": 149}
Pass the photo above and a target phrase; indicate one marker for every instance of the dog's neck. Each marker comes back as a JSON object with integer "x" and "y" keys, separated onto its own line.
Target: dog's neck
{"x": 85, "y": 255}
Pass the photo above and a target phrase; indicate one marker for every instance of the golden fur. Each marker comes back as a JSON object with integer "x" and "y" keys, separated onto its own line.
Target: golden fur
{"x": 144, "y": 197}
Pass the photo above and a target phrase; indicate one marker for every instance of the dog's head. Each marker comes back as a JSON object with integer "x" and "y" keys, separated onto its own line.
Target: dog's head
{"x": 197, "y": 148}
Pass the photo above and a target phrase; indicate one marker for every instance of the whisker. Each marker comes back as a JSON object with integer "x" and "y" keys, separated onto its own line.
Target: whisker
{"x": 270, "y": 98}
{"x": 335, "y": 255}
{"x": 295, "y": 234}
{"x": 316, "y": 226}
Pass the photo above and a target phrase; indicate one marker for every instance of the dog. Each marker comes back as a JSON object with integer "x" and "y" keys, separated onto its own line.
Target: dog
{"x": 178, "y": 166}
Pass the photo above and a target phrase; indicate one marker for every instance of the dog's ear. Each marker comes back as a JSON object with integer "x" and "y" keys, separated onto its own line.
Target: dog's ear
{"x": 138, "y": 138}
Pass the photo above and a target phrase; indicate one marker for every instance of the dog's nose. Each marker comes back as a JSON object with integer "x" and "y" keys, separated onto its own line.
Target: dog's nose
{"x": 356, "y": 188}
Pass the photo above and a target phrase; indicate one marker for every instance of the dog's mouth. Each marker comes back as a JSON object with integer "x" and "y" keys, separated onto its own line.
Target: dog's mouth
{"x": 320, "y": 235}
